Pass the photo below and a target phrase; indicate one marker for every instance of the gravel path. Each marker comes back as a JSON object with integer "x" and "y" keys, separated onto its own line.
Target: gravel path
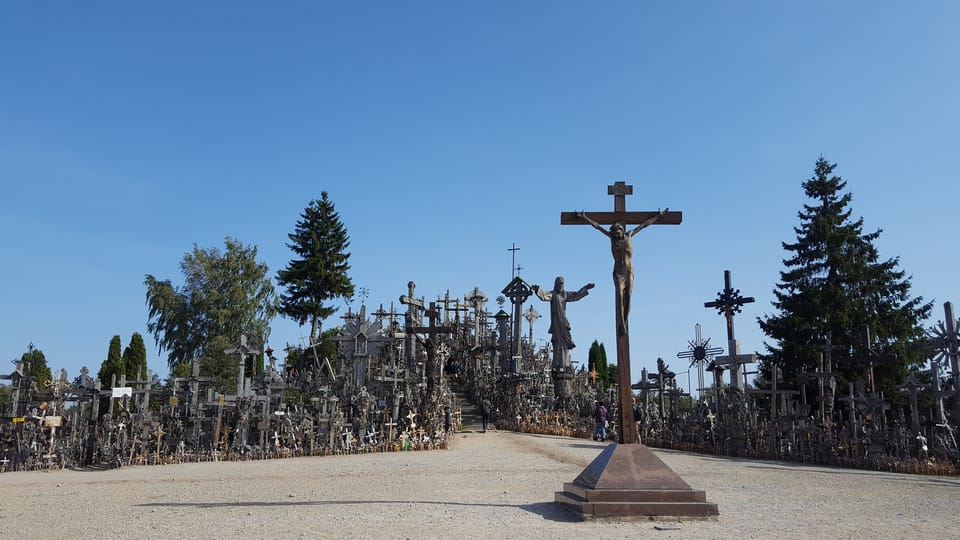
{"x": 487, "y": 485}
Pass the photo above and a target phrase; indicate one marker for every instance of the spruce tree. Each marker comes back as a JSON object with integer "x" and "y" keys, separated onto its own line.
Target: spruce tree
{"x": 319, "y": 275}
{"x": 836, "y": 287}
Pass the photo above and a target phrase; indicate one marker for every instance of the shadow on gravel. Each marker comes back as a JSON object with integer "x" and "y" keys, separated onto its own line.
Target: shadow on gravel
{"x": 551, "y": 511}
{"x": 585, "y": 445}
{"x": 547, "y": 510}
{"x": 822, "y": 469}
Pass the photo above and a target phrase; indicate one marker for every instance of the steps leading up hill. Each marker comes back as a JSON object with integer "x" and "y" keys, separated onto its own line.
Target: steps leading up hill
{"x": 470, "y": 417}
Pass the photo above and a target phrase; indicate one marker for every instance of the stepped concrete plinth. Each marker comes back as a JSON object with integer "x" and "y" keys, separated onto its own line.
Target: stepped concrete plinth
{"x": 629, "y": 482}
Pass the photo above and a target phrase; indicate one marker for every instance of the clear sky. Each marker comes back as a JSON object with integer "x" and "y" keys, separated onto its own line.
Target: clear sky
{"x": 445, "y": 132}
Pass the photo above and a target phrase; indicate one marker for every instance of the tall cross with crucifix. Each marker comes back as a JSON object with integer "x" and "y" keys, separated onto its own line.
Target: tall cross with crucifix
{"x": 432, "y": 368}
{"x": 621, "y": 246}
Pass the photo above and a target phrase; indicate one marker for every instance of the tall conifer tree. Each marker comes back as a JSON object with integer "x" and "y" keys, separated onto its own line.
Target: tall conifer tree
{"x": 319, "y": 275}
{"x": 135, "y": 357}
{"x": 835, "y": 286}
{"x": 597, "y": 361}
{"x": 113, "y": 365}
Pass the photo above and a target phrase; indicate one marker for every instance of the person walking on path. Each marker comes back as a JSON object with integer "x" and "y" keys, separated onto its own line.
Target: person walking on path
{"x": 600, "y": 422}
{"x": 485, "y": 407}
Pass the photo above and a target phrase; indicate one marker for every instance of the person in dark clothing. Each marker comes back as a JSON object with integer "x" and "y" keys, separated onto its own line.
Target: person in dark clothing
{"x": 599, "y": 422}
{"x": 637, "y": 418}
{"x": 485, "y": 407}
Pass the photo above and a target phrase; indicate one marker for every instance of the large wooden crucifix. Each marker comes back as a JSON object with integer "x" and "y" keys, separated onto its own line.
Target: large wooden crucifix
{"x": 622, "y": 248}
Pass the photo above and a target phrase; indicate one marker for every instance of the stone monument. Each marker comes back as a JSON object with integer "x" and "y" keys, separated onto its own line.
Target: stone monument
{"x": 560, "y": 336}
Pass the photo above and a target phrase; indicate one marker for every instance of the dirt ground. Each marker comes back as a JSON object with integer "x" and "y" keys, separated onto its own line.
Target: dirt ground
{"x": 487, "y": 485}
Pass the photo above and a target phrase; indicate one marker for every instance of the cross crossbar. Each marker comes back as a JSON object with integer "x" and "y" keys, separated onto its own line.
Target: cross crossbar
{"x": 627, "y": 218}
{"x": 735, "y": 359}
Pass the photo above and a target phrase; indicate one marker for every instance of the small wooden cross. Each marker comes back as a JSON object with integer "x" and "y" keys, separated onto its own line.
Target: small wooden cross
{"x": 412, "y": 303}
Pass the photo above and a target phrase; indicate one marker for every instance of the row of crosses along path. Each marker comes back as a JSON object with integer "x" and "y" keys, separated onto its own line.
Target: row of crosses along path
{"x": 628, "y": 479}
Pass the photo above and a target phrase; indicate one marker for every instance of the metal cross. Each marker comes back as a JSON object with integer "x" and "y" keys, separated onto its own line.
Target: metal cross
{"x": 513, "y": 260}
{"x": 699, "y": 352}
{"x": 728, "y": 303}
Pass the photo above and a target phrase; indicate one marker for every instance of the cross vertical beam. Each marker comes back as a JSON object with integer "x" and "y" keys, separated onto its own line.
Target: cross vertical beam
{"x": 517, "y": 291}
{"x": 728, "y": 303}
{"x": 622, "y": 249}
{"x": 513, "y": 259}
{"x": 243, "y": 351}
{"x": 953, "y": 347}
{"x": 431, "y": 369}
{"x": 414, "y": 306}
{"x": 619, "y": 190}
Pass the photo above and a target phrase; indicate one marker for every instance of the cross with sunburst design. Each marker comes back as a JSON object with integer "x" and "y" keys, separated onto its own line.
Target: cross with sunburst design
{"x": 699, "y": 351}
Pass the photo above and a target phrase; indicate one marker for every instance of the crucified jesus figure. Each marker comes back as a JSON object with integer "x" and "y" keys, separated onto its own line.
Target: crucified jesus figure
{"x": 621, "y": 245}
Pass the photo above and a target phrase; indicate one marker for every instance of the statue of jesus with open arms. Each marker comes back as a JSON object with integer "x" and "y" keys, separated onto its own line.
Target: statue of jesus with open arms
{"x": 560, "y": 335}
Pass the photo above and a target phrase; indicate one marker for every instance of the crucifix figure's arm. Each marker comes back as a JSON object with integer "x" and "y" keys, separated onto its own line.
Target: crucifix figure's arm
{"x": 583, "y": 215}
{"x": 648, "y": 222}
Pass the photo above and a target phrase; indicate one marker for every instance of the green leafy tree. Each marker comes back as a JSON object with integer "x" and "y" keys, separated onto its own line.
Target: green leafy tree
{"x": 303, "y": 359}
{"x": 319, "y": 274}
{"x": 225, "y": 295}
{"x": 36, "y": 373}
{"x": 35, "y": 367}
{"x": 135, "y": 357}
{"x": 6, "y": 398}
{"x": 113, "y": 366}
{"x": 836, "y": 285}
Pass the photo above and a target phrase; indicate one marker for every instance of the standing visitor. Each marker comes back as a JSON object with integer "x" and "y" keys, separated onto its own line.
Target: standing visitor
{"x": 485, "y": 407}
{"x": 600, "y": 422}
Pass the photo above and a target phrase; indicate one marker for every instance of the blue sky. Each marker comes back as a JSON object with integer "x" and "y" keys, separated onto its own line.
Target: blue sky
{"x": 446, "y": 132}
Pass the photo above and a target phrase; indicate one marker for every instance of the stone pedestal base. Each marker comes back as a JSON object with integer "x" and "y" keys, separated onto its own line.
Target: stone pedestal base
{"x": 561, "y": 388}
{"x": 628, "y": 481}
